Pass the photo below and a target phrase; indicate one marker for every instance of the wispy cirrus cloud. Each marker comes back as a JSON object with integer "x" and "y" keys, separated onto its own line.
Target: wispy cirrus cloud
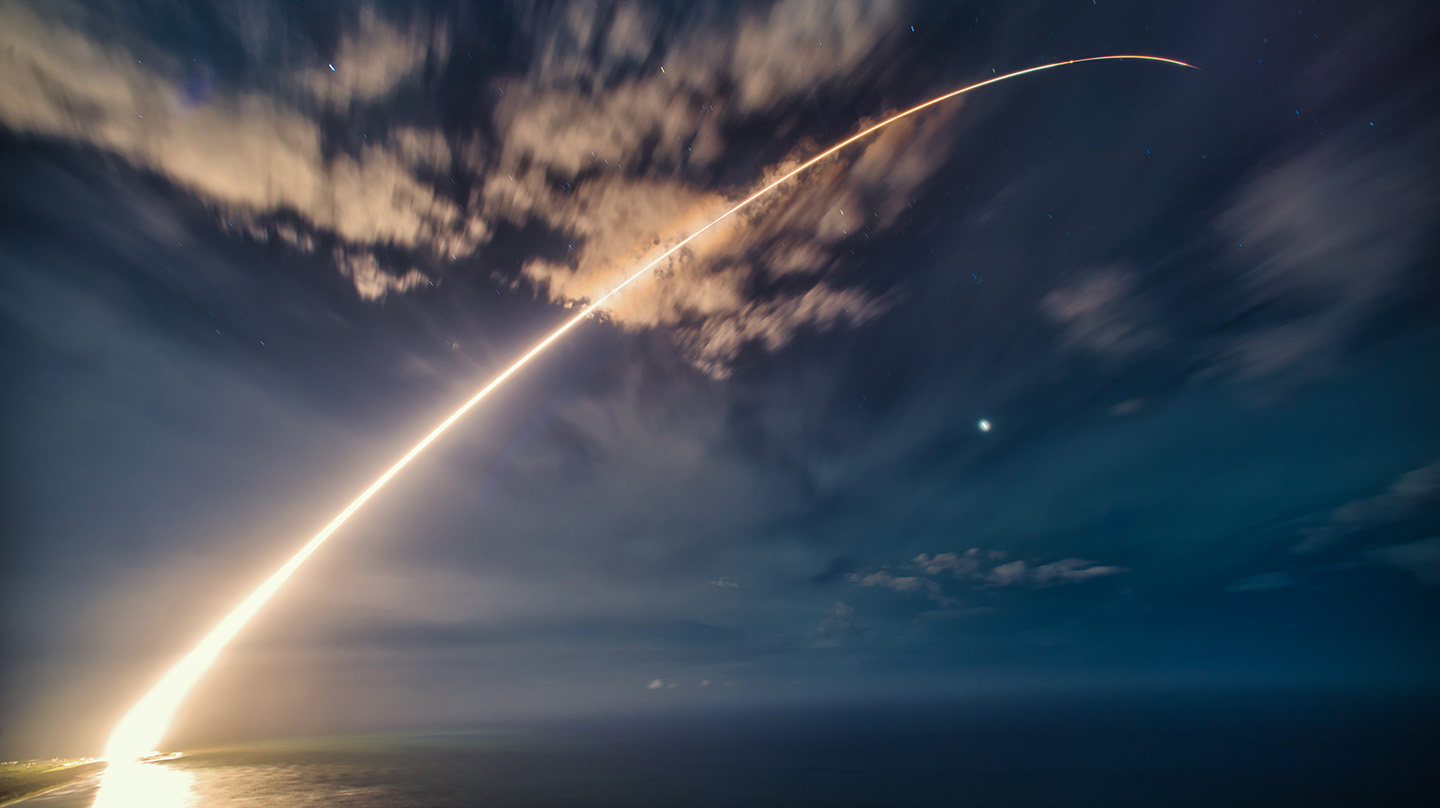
{"x": 1101, "y": 313}
{"x": 1321, "y": 241}
{"x": 1422, "y": 558}
{"x": 1411, "y": 492}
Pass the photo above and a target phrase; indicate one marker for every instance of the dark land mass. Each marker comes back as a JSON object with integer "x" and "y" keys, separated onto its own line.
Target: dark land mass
{"x": 23, "y": 778}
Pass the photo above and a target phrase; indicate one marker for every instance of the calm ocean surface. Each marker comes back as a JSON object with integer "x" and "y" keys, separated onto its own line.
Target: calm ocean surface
{"x": 1257, "y": 750}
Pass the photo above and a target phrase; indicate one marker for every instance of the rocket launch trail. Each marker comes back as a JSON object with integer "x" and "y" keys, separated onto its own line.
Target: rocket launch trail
{"x": 145, "y": 725}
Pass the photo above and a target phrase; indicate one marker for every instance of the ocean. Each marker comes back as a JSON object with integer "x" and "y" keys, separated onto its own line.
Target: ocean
{"x": 1260, "y": 750}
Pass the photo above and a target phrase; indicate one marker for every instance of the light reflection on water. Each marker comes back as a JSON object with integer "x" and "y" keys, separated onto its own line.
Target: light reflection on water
{"x": 232, "y": 781}
{"x": 145, "y": 785}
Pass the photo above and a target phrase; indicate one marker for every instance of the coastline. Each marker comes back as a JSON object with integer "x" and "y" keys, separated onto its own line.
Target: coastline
{"x": 79, "y": 772}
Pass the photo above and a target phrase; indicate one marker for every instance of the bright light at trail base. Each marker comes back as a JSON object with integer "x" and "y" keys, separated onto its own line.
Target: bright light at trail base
{"x": 984, "y": 425}
{"x": 131, "y": 784}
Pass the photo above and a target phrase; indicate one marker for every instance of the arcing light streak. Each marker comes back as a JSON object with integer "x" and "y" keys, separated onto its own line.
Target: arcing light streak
{"x": 142, "y": 729}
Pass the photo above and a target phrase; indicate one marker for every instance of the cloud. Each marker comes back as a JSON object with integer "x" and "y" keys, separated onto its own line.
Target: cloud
{"x": 838, "y": 623}
{"x": 428, "y": 149}
{"x": 1412, "y": 491}
{"x": 623, "y": 141}
{"x": 568, "y": 130}
{"x": 897, "y": 583}
{"x": 704, "y": 293}
{"x": 985, "y": 568}
{"x": 961, "y": 565}
{"x": 247, "y": 153}
{"x": 793, "y": 46}
{"x": 372, "y": 60}
{"x": 1071, "y": 570}
{"x": 372, "y": 282}
{"x": 1128, "y": 407}
{"x": 1323, "y": 240}
{"x": 725, "y": 582}
{"x": 972, "y": 565}
{"x": 1012, "y": 572}
{"x": 1100, "y": 313}
{"x": 1064, "y": 571}
{"x": 592, "y": 141}
{"x": 1419, "y": 557}
{"x": 655, "y": 684}
{"x": 955, "y": 563}
{"x": 718, "y": 341}
{"x": 708, "y": 296}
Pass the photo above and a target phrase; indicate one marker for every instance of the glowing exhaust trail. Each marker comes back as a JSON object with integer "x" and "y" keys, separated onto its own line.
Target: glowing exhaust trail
{"x": 142, "y": 729}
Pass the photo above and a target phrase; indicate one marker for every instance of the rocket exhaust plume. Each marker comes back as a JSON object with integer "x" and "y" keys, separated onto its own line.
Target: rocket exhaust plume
{"x": 145, "y": 725}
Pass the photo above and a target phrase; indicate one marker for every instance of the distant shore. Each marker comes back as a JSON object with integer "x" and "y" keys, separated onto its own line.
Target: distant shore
{"x": 24, "y": 779}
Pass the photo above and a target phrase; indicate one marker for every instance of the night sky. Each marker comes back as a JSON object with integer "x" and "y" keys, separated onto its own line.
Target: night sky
{"x": 251, "y": 251}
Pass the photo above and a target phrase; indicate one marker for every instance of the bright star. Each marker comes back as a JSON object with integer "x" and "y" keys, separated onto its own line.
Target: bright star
{"x": 984, "y": 425}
